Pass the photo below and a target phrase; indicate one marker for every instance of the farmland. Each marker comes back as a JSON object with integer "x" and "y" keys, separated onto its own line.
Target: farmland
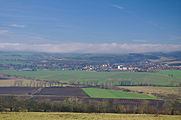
{"x": 175, "y": 73}
{"x": 47, "y": 91}
{"x": 82, "y": 116}
{"x": 72, "y": 92}
{"x": 134, "y": 78}
{"x": 103, "y": 93}
{"x": 16, "y": 90}
{"x": 152, "y": 90}
{"x": 7, "y": 81}
{"x": 44, "y": 82}
{"x": 63, "y": 92}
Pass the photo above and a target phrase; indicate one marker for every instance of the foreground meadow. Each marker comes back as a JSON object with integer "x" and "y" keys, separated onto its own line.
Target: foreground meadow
{"x": 82, "y": 116}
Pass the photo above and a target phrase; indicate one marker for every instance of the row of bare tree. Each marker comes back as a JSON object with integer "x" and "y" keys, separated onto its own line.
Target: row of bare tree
{"x": 11, "y": 104}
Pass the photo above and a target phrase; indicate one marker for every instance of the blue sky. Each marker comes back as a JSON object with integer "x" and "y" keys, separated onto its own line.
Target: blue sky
{"x": 113, "y": 26}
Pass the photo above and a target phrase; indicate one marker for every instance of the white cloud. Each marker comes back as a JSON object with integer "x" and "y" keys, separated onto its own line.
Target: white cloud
{"x": 90, "y": 48}
{"x": 17, "y": 26}
{"x": 3, "y": 31}
{"x": 118, "y": 6}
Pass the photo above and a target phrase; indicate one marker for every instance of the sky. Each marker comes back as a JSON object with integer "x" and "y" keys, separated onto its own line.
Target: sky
{"x": 90, "y": 26}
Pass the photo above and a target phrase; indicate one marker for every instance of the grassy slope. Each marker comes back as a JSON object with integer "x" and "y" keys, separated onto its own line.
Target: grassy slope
{"x": 82, "y": 116}
{"x": 135, "y": 77}
{"x": 103, "y": 93}
{"x": 158, "y": 90}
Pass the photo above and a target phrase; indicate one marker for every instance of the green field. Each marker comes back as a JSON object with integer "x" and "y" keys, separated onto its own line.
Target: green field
{"x": 105, "y": 93}
{"x": 175, "y": 73}
{"x": 84, "y": 76}
{"x": 82, "y": 116}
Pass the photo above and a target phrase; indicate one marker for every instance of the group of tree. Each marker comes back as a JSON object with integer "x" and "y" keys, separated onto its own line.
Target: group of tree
{"x": 12, "y": 104}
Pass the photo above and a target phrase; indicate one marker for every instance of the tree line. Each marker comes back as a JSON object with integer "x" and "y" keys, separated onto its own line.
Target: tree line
{"x": 13, "y": 104}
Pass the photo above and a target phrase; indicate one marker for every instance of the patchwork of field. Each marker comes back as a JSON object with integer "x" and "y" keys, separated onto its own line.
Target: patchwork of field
{"x": 82, "y": 116}
{"x": 58, "y": 91}
{"x": 72, "y": 92}
{"x": 105, "y": 93}
{"x": 152, "y": 90}
{"x": 134, "y": 78}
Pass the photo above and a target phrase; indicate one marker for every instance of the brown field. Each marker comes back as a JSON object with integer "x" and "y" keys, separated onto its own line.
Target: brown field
{"x": 17, "y": 90}
{"x": 154, "y": 90}
{"x": 63, "y": 91}
{"x": 47, "y": 91}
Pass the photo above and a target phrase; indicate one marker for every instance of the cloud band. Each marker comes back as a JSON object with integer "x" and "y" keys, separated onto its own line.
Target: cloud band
{"x": 90, "y": 48}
